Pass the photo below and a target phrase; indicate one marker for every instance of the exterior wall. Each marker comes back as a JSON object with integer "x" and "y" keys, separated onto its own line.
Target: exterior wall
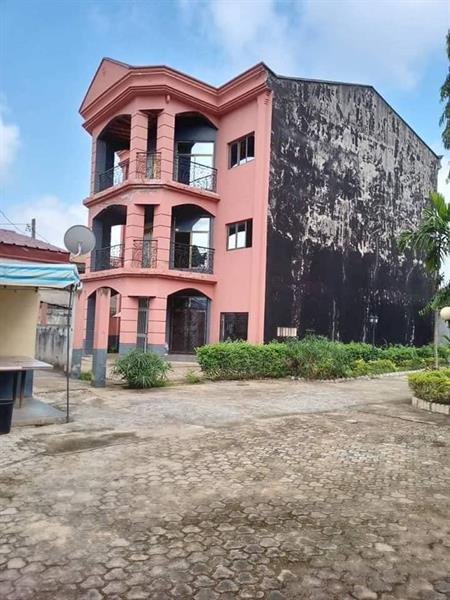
{"x": 237, "y": 283}
{"x": 243, "y": 193}
{"x": 347, "y": 176}
{"x": 51, "y": 344}
{"x": 19, "y": 308}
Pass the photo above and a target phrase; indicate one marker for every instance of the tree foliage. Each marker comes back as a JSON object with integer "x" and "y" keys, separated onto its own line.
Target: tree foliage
{"x": 445, "y": 97}
{"x": 430, "y": 240}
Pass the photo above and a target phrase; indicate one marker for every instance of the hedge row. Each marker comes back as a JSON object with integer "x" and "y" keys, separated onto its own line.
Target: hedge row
{"x": 313, "y": 357}
{"x": 433, "y": 386}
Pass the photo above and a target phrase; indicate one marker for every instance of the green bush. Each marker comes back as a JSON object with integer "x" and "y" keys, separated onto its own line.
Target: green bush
{"x": 433, "y": 386}
{"x": 360, "y": 351}
{"x": 241, "y": 360}
{"x": 86, "y": 375}
{"x": 405, "y": 357}
{"x": 373, "y": 367}
{"x": 315, "y": 357}
{"x": 142, "y": 369}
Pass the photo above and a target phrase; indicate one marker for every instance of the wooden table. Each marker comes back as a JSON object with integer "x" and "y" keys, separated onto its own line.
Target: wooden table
{"x": 19, "y": 365}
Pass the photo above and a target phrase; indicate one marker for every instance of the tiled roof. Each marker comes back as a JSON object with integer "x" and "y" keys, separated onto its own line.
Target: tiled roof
{"x": 13, "y": 238}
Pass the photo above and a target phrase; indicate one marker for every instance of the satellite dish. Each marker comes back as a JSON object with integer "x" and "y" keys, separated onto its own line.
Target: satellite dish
{"x": 79, "y": 240}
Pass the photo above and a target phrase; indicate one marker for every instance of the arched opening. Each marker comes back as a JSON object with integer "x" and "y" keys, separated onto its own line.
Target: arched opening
{"x": 108, "y": 227}
{"x": 187, "y": 321}
{"x": 195, "y": 138}
{"x": 112, "y": 153}
{"x": 191, "y": 239}
{"x": 113, "y": 322}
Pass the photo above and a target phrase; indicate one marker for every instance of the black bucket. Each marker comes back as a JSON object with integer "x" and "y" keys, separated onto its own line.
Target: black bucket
{"x": 6, "y": 411}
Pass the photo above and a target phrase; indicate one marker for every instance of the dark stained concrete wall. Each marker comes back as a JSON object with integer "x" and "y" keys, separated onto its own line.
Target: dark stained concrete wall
{"x": 347, "y": 176}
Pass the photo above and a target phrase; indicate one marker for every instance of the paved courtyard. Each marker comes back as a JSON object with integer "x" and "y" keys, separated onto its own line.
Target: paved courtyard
{"x": 271, "y": 490}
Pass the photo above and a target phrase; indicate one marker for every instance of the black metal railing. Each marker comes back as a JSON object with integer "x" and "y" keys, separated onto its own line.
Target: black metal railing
{"x": 148, "y": 165}
{"x": 191, "y": 258}
{"x": 194, "y": 174}
{"x": 145, "y": 253}
{"x": 107, "y": 258}
{"x": 112, "y": 176}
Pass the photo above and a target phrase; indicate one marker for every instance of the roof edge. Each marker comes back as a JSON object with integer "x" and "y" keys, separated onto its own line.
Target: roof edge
{"x": 362, "y": 85}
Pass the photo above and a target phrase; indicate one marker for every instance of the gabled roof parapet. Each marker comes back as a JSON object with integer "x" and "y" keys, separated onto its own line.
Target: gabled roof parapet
{"x": 115, "y": 83}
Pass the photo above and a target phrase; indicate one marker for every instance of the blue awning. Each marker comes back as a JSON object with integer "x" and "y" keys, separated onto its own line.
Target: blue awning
{"x": 59, "y": 275}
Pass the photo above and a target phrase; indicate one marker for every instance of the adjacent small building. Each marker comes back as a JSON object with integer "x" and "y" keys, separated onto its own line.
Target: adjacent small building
{"x": 263, "y": 208}
{"x": 50, "y": 337}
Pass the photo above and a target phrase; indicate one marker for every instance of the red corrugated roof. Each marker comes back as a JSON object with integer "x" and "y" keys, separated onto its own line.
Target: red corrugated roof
{"x": 13, "y": 238}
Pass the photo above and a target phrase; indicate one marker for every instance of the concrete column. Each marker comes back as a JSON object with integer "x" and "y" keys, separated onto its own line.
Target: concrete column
{"x": 165, "y": 136}
{"x": 134, "y": 230}
{"x": 100, "y": 351}
{"x": 157, "y": 325}
{"x": 138, "y": 142}
{"x": 93, "y": 186}
{"x": 260, "y": 201}
{"x": 128, "y": 323}
{"x": 79, "y": 332}
{"x": 162, "y": 227}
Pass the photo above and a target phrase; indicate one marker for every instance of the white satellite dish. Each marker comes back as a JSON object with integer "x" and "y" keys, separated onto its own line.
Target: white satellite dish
{"x": 79, "y": 240}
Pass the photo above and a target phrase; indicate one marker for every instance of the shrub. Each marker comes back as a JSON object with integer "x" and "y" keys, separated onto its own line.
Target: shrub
{"x": 373, "y": 367}
{"x": 142, "y": 369}
{"x": 433, "y": 386}
{"x": 86, "y": 375}
{"x": 405, "y": 357}
{"x": 315, "y": 357}
{"x": 193, "y": 377}
{"x": 360, "y": 351}
{"x": 241, "y": 360}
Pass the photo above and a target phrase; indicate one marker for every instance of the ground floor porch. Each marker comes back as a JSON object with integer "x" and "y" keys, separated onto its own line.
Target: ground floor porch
{"x": 160, "y": 315}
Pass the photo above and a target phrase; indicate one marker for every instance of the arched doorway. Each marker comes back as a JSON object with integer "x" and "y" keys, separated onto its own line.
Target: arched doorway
{"x": 187, "y": 320}
{"x": 113, "y": 322}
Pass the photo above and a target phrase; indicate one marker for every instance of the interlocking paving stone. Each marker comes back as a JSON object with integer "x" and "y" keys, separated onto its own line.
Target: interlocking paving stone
{"x": 334, "y": 503}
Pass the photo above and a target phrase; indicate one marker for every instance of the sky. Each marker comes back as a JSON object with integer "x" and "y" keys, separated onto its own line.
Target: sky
{"x": 50, "y": 50}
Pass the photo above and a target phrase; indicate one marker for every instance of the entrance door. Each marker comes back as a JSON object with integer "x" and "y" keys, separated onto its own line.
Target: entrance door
{"x": 187, "y": 323}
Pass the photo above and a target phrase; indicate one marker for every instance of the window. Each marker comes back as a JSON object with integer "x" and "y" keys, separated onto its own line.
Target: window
{"x": 240, "y": 235}
{"x": 233, "y": 326}
{"x": 142, "y": 324}
{"x": 242, "y": 151}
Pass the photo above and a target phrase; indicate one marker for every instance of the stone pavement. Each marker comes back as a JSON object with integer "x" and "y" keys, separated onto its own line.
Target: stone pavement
{"x": 264, "y": 490}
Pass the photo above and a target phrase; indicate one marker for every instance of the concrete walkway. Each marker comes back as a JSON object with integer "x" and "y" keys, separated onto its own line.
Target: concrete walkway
{"x": 272, "y": 490}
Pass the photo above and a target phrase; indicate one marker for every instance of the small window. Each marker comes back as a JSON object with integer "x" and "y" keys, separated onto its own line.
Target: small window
{"x": 242, "y": 150}
{"x": 233, "y": 326}
{"x": 240, "y": 235}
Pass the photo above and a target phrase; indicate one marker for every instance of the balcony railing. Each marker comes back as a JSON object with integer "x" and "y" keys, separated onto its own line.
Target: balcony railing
{"x": 191, "y": 258}
{"x": 194, "y": 174}
{"x": 145, "y": 253}
{"x": 149, "y": 165}
{"x": 112, "y": 177}
{"x": 107, "y": 258}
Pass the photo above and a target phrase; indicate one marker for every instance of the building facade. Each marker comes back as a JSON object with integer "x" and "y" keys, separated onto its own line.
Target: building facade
{"x": 264, "y": 207}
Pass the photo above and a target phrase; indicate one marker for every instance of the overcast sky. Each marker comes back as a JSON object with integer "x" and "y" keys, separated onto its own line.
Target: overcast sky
{"x": 51, "y": 49}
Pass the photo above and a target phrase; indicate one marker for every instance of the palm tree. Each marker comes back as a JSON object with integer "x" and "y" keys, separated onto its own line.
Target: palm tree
{"x": 431, "y": 241}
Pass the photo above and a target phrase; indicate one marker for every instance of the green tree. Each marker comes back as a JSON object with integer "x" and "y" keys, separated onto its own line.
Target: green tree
{"x": 430, "y": 240}
{"x": 445, "y": 97}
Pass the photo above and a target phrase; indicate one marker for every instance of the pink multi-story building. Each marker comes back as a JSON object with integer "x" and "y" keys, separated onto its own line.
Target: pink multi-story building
{"x": 212, "y": 205}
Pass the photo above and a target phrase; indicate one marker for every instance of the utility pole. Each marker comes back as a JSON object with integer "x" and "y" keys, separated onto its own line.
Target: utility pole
{"x": 33, "y": 228}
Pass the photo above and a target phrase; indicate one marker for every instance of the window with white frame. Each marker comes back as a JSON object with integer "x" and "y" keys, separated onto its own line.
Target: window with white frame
{"x": 239, "y": 234}
{"x": 242, "y": 150}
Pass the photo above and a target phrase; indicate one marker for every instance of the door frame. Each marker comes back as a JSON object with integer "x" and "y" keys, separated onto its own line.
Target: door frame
{"x": 170, "y": 319}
